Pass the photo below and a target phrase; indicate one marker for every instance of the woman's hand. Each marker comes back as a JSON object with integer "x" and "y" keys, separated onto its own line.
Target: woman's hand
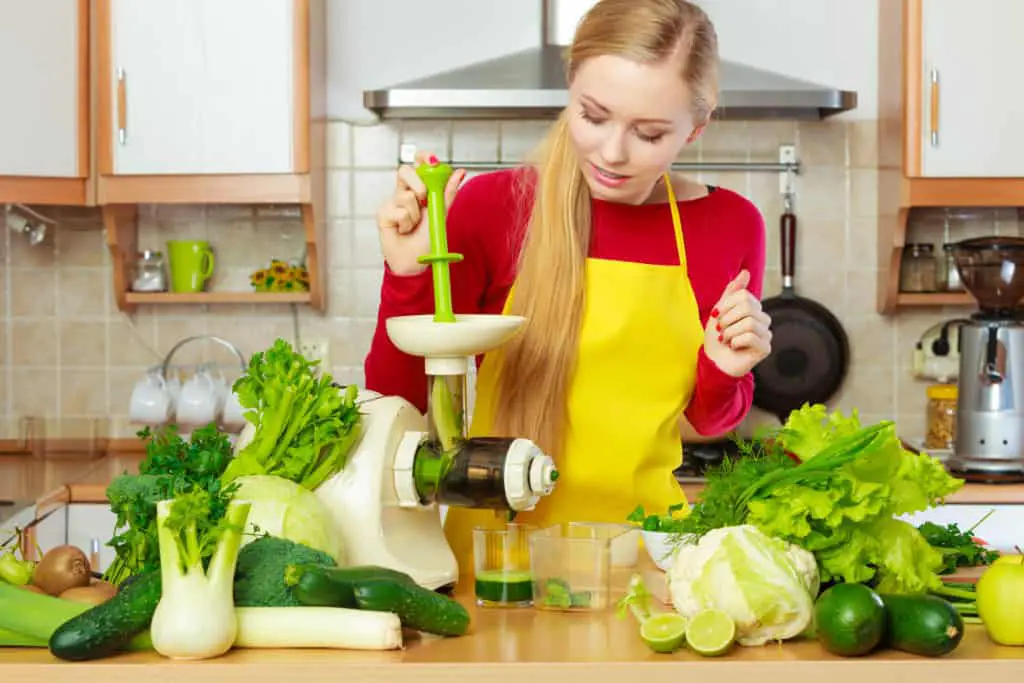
{"x": 404, "y": 234}
{"x": 737, "y": 336}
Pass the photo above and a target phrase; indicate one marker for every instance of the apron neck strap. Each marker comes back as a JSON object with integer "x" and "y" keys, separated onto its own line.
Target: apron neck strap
{"x": 677, "y": 222}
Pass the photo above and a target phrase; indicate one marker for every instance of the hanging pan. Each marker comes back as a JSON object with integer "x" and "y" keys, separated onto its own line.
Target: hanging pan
{"x": 810, "y": 350}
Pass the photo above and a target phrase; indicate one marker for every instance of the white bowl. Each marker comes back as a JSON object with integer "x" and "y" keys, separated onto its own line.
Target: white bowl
{"x": 659, "y": 547}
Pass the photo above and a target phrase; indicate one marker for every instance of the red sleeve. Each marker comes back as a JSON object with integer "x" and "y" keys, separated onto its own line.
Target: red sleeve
{"x": 721, "y": 402}
{"x": 392, "y": 372}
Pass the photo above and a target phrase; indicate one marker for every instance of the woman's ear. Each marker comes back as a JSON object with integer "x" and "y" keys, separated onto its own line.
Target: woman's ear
{"x": 695, "y": 134}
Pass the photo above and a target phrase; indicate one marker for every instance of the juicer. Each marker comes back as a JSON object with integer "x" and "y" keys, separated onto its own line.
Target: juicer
{"x": 386, "y": 501}
{"x": 989, "y": 443}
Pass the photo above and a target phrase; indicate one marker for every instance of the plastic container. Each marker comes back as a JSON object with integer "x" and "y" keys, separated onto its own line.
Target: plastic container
{"x": 501, "y": 564}
{"x": 572, "y": 564}
{"x": 941, "y": 416}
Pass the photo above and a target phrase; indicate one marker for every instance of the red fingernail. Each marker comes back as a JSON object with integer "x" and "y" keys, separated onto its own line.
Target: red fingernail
{"x": 423, "y": 201}
{"x": 714, "y": 312}
{"x": 432, "y": 160}
{"x": 718, "y": 327}
{"x": 721, "y": 337}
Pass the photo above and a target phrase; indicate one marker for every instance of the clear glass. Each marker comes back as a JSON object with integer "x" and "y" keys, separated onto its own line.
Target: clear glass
{"x": 501, "y": 565}
{"x": 919, "y": 270}
{"x": 149, "y": 273}
{"x": 572, "y": 565}
{"x": 446, "y": 409}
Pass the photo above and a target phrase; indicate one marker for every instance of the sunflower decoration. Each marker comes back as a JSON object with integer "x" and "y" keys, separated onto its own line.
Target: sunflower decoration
{"x": 280, "y": 276}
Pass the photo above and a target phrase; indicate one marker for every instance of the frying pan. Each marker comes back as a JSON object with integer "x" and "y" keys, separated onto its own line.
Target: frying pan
{"x": 810, "y": 352}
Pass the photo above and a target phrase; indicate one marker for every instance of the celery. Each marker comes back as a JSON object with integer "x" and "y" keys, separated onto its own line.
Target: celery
{"x": 12, "y": 639}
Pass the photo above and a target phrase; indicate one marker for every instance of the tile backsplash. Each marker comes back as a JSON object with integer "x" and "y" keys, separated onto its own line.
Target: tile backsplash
{"x": 71, "y": 358}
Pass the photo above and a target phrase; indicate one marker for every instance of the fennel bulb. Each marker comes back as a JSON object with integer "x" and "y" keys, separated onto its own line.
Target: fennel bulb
{"x": 195, "y": 618}
{"x": 766, "y": 585}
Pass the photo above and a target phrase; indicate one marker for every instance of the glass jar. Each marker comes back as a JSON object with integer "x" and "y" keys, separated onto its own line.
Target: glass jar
{"x": 149, "y": 272}
{"x": 941, "y": 416}
{"x": 919, "y": 270}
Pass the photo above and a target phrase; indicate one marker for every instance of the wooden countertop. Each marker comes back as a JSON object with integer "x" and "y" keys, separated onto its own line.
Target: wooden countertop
{"x": 543, "y": 647}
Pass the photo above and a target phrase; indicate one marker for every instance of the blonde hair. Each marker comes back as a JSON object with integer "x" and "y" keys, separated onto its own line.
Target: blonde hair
{"x": 537, "y": 365}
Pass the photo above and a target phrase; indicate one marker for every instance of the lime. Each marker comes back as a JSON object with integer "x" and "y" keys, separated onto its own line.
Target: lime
{"x": 664, "y": 632}
{"x": 850, "y": 619}
{"x": 711, "y": 632}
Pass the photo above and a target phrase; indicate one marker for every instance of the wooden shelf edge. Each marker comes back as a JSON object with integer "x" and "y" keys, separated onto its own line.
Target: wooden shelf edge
{"x": 914, "y": 299}
{"x": 979, "y": 192}
{"x": 44, "y": 191}
{"x": 140, "y": 298}
{"x": 205, "y": 189}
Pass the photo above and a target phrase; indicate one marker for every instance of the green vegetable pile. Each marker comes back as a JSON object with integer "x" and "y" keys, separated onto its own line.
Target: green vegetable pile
{"x": 834, "y": 487}
{"x": 305, "y": 424}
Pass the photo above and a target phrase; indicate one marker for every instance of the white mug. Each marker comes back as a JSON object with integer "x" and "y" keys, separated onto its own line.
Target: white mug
{"x": 150, "y": 403}
{"x": 198, "y": 403}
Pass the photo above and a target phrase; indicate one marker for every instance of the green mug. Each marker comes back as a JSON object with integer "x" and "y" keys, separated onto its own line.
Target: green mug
{"x": 191, "y": 264}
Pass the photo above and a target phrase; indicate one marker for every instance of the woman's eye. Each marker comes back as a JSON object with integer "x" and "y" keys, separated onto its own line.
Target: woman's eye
{"x": 589, "y": 118}
{"x": 652, "y": 138}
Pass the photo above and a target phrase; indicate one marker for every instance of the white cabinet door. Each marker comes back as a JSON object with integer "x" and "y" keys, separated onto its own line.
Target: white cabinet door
{"x": 82, "y": 525}
{"x": 207, "y": 84}
{"x": 39, "y": 47}
{"x": 973, "y": 56}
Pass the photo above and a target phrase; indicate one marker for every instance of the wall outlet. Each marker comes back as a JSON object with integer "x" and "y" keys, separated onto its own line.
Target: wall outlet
{"x": 317, "y": 348}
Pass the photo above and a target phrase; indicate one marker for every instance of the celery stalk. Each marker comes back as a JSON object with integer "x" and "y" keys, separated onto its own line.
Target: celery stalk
{"x": 12, "y": 639}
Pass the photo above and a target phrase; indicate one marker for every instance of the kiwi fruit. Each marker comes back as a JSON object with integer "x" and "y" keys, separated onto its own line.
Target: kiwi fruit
{"x": 61, "y": 568}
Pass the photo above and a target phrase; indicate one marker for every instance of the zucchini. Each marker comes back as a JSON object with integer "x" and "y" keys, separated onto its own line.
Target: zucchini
{"x": 108, "y": 627}
{"x": 318, "y": 586}
{"x": 924, "y": 625}
{"x": 417, "y": 607}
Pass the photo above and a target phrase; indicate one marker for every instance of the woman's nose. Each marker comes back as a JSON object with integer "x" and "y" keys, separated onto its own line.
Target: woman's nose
{"x": 614, "y": 149}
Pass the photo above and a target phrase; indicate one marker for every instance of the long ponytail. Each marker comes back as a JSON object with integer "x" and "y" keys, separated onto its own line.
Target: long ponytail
{"x": 538, "y": 364}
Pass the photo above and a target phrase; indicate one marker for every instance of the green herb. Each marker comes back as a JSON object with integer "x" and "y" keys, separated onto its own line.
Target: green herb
{"x": 305, "y": 424}
{"x": 172, "y": 466}
{"x": 666, "y": 523}
{"x": 959, "y": 548}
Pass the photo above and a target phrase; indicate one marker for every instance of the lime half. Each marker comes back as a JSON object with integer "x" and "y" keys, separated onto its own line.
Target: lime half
{"x": 664, "y": 632}
{"x": 711, "y": 632}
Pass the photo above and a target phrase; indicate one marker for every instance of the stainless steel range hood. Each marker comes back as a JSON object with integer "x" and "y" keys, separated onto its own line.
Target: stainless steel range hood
{"x": 531, "y": 84}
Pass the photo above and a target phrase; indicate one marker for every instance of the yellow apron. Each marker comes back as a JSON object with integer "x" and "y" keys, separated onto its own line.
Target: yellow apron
{"x": 636, "y": 368}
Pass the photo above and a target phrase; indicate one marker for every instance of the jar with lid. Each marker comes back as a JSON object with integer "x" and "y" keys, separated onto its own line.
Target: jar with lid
{"x": 919, "y": 269}
{"x": 149, "y": 272}
{"x": 941, "y": 416}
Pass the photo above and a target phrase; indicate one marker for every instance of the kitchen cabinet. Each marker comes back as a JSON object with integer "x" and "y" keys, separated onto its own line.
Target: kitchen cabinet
{"x": 44, "y": 120}
{"x": 969, "y": 65}
{"x": 202, "y": 87}
{"x": 204, "y": 102}
{"x": 949, "y": 131}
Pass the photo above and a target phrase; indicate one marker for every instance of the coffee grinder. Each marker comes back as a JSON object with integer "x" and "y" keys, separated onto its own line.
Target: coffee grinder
{"x": 989, "y": 444}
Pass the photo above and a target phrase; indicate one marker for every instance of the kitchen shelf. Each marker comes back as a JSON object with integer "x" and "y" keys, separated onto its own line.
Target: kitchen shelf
{"x": 137, "y": 298}
{"x": 913, "y": 299}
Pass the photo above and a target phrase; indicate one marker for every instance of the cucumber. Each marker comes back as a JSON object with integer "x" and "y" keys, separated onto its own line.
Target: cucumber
{"x": 417, "y": 607}
{"x": 108, "y": 627}
{"x": 316, "y": 585}
{"x": 924, "y": 625}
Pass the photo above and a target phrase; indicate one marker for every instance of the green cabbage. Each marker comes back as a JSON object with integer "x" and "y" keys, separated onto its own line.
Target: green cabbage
{"x": 284, "y": 509}
{"x": 766, "y": 585}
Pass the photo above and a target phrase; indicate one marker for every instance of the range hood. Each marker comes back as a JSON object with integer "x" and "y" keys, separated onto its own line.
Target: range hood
{"x": 531, "y": 84}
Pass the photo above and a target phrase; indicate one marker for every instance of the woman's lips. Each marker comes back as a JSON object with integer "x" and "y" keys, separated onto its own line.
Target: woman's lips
{"x": 607, "y": 178}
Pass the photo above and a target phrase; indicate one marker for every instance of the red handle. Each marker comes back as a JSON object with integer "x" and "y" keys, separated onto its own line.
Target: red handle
{"x": 788, "y": 247}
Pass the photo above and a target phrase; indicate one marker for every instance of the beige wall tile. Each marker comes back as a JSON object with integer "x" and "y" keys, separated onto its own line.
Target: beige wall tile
{"x": 61, "y": 335}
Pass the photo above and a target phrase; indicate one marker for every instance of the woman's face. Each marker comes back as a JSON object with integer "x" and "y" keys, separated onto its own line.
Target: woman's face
{"x": 628, "y": 122}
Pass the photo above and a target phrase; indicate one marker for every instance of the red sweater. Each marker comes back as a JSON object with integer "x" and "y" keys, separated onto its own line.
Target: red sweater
{"x": 724, "y": 233}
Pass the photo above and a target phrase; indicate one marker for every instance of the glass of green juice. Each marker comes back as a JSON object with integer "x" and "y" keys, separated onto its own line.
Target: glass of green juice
{"x": 501, "y": 565}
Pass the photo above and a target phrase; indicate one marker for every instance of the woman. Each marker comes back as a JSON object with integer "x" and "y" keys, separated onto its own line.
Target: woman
{"x": 641, "y": 288}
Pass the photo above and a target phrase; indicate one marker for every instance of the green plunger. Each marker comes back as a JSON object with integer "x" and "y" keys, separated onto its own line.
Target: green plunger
{"x": 436, "y": 179}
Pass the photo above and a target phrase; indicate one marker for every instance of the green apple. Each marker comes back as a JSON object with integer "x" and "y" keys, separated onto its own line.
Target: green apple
{"x": 1013, "y": 558}
{"x": 1001, "y": 602}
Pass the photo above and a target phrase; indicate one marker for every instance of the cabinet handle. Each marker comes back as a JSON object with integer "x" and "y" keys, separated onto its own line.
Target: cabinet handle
{"x": 122, "y": 107}
{"x": 934, "y": 123}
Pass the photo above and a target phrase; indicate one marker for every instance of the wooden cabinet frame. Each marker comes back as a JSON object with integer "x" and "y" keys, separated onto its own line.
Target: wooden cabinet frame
{"x": 119, "y": 194}
{"x": 63, "y": 191}
{"x": 900, "y": 185}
